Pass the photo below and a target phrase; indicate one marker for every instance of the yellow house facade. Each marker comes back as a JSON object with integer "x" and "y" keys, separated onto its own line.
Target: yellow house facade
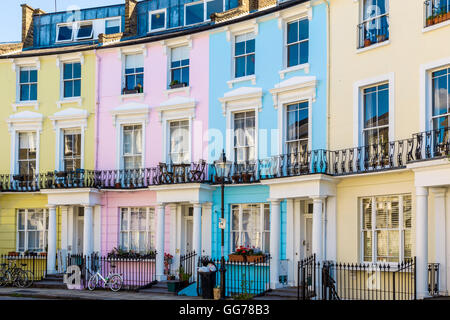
{"x": 389, "y": 71}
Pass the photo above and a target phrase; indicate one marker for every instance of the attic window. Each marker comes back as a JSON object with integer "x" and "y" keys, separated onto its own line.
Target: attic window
{"x": 112, "y": 26}
{"x": 85, "y": 30}
{"x": 65, "y": 32}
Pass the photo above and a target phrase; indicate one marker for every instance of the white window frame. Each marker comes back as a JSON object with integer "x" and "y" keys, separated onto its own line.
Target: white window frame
{"x": 149, "y": 229}
{"x": 361, "y": 12}
{"x": 358, "y": 107}
{"x": 31, "y": 63}
{"x": 114, "y": 18}
{"x": 46, "y": 215}
{"x": 284, "y": 148}
{"x": 233, "y": 159}
{"x": 121, "y": 154}
{"x": 400, "y": 229}
{"x": 431, "y": 117}
{"x": 285, "y": 46}
{"x": 64, "y": 25}
{"x": 168, "y": 142}
{"x": 235, "y": 35}
{"x": 169, "y": 66}
{"x": 262, "y": 206}
{"x": 150, "y": 20}
{"x": 205, "y": 6}
{"x": 63, "y": 159}
{"x": 17, "y": 144}
{"x": 426, "y": 99}
{"x": 83, "y": 23}
{"x": 26, "y": 68}
{"x": 124, "y": 62}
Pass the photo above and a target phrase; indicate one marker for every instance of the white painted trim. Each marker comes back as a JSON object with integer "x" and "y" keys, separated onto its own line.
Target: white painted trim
{"x": 150, "y": 13}
{"x": 357, "y": 105}
{"x": 130, "y": 112}
{"x": 185, "y": 90}
{"x": 34, "y": 104}
{"x": 166, "y": 136}
{"x": 176, "y": 42}
{"x": 436, "y": 26}
{"x": 77, "y": 100}
{"x": 373, "y": 46}
{"x": 298, "y": 67}
{"x": 425, "y": 111}
{"x": 119, "y": 124}
{"x": 232, "y": 82}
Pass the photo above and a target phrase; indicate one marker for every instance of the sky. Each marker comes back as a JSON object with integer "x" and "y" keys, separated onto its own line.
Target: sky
{"x": 11, "y": 13}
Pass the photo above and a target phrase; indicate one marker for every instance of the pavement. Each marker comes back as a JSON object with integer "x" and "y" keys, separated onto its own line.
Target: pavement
{"x": 65, "y": 294}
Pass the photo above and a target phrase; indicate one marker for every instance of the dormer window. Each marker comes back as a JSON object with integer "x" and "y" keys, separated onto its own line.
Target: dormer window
{"x": 157, "y": 20}
{"x": 199, "y": 11}
{"x": 85, "y": 30}
{"x": 64, "y": 33}
{"x": 112, "y": 26}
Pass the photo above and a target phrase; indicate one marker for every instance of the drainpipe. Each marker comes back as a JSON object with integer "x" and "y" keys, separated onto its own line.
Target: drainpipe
{"x": 97, "y": 103}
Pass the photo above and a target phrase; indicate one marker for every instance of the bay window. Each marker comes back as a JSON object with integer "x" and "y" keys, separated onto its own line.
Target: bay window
{"x": 137, "y": 226}
{"x": 32, "y": 230}
{"x": 386, "y": 224}
{"x": 250, "y": 226}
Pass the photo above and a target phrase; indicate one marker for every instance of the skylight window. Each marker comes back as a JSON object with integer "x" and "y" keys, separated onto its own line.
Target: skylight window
{"x": 65, "y": 32}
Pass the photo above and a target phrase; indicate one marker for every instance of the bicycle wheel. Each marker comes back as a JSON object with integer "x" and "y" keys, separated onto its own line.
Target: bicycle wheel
{"x": 30, "y": 278}
{"x": 93, "y": 281}
{"x": 20, "y": 279}
{"x": 5, "y": 278}
{"x": 115, "y": 283}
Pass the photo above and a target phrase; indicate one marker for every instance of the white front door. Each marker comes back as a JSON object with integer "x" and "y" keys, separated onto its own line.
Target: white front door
{"x": 307, "y": 245}
{"x": 188, "y": 234}
{"x": 80, "y": 229}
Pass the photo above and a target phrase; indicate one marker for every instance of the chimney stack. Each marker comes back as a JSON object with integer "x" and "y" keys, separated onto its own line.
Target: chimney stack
{"x": 130, "y": 18}
{"x": 27, "y": 24}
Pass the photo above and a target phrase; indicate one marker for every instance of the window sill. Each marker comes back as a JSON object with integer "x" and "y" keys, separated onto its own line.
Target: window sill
{"x": 77, "y": 100}
{"x": 436, "y": 26}
{"x": 186, "y": 90}
{"x": 373, "y": 46}
{"x": 140, "y": 96}
{"x": 251, "y": 78}
{"x": 18, "y": 104}
{"x": 304, "y": 66}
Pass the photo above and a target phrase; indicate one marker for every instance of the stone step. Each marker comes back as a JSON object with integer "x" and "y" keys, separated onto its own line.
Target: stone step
{"x": 49, "y": 284}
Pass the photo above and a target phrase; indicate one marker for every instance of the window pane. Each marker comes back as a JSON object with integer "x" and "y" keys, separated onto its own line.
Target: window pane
{"x": 112, "y": 26}
{"x": 33, "y": 92}
{"x": 68, "y": 89}
{"x": 370, "y": 108}
{"x": 33, "y": 75}
{"x": 213, "y": 7}
{"x": 158, "y": 20}
{"x": 77, "y": 88}
{"x": 250, "y": 46}
{"x": 250, "y": 64}
{"x": 85, "y": 31}
{"x": 239, "y": 48}
{"x": 383, "y": 107}
{"x": 292, "y": 33}
{"x": 24, "y": 76}
{"x": 194, "y": 13}
{"x": 24, "y": 92}
{"x": 304, "y": 52}
{"x": 304, "y": 29}
{"x": 77, "y": 70}
{"x": 65, "y": 33}
{"x": 440, "y": 95}
{"x": 367, "y": 240}
{"x": 240, "y": 67}
{"x": 293, "y": 55}
{"x": 68, "y": 68}
{"x": 124, "y": 220}
{"x": 185, "y": 75}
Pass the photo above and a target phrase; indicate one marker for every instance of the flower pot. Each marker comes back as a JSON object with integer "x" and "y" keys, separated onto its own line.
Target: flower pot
{"x": 381, "y": 38}
{"x": 117, "y": 185}
{"x": 236, "y": 258}
{"x": 177, "y": 85}
{"x": 253, "y": 259}
{"x": 43, "y": 254}
{"x": 130, "y": 91}
{"x": 13, "y": 254}
{"x": 173, "y": 285}
{"x": 216, "y": 292}
{"x": 367, "y": 42}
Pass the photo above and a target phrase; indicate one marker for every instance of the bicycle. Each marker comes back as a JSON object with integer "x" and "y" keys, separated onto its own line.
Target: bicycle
{"x": 13, "y": 275}
{"x": 114, "y": 280}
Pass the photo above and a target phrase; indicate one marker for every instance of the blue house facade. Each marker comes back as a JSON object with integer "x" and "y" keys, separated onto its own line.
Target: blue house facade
{"x": 268, "y": 108}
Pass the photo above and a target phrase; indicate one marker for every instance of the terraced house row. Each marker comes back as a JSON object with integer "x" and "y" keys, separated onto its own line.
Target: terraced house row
{"x": 334, "y": 119}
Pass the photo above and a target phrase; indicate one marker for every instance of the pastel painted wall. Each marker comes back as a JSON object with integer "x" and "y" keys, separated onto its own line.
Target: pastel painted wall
{"x": 155, "y": 84}
{"x": 48, "y": 93}
{"x": 110, "y": 225}
{"x": 408, "y": 48}
{"x": 8, "y": 217}
{"x": 240, "y": 195}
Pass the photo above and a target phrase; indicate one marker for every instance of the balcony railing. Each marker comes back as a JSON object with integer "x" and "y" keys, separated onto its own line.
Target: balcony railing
{"x": 436, "y": 11}
{"x": 373, "y": 31}
{"x": 429, "y": 145}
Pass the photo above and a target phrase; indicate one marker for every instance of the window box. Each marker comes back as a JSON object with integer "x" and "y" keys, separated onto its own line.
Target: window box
{"x": 132, "y": 91}
{"x": 236, "y": 258}
{"x": 18, "y": 177}
{"x": 176, "y": 85}
{"x": 256, "y": 258}
{"x": 13, "y": 254}
{"x": 43, "y": 254}
{"x": 61, "y": 174}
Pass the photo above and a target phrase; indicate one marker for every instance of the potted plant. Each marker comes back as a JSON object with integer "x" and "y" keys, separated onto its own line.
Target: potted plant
{"x": 381, "y": 38}
{"x": 129, "y": 91}
{"x": 183, "y": 278}
{"x": 139, "y": 88}
{"x": 367, "y": 42}
{"x": 239, "y": 255}
{"x": 430, "y": 20}
{"x": 255, "y": 255}
{"x": 117, "y": 185}
{"x": 168, "y": 259}
{"x": 13, "y": 254}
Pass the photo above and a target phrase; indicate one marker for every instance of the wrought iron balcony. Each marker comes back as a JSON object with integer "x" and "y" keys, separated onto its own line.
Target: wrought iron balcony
{"x": 436, "y": 12}
{"x": 429, "y": 145}
{"x": 373, "y": 31}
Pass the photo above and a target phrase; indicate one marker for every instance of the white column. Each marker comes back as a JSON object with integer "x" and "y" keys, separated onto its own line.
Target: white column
{"x": 275, "y": 222}
{"x": 422, "y": 241}
{"x": 331, "y": 249}
{"x": 173, "y": 237}
{"x": 290, "y": 240}
{"x": 51, "y": 251}
{"x": 88, "y": 231}
{"x": 440, "y": 237}
{"x": 317, "y": 233}
{"x": 197, "y": 228}
{"x": 160, "y": 221}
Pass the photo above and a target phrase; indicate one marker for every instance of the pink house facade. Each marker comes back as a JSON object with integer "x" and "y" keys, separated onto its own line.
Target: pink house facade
{"x": 151, "y": 127}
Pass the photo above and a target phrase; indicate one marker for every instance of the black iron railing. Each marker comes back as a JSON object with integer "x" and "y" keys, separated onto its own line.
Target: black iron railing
{"x": 433, "y": 279}
{"x": 429, "y": 145}
{"x": 436, "y": 11}
{"x": 243, "y": 279}
{"x": 330, "y": 280}
{"x": 373, "y": 31}
{"x": 137, "y": 273}
{"x": 188, "y": 266}
{"x": 34, "y": 264}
